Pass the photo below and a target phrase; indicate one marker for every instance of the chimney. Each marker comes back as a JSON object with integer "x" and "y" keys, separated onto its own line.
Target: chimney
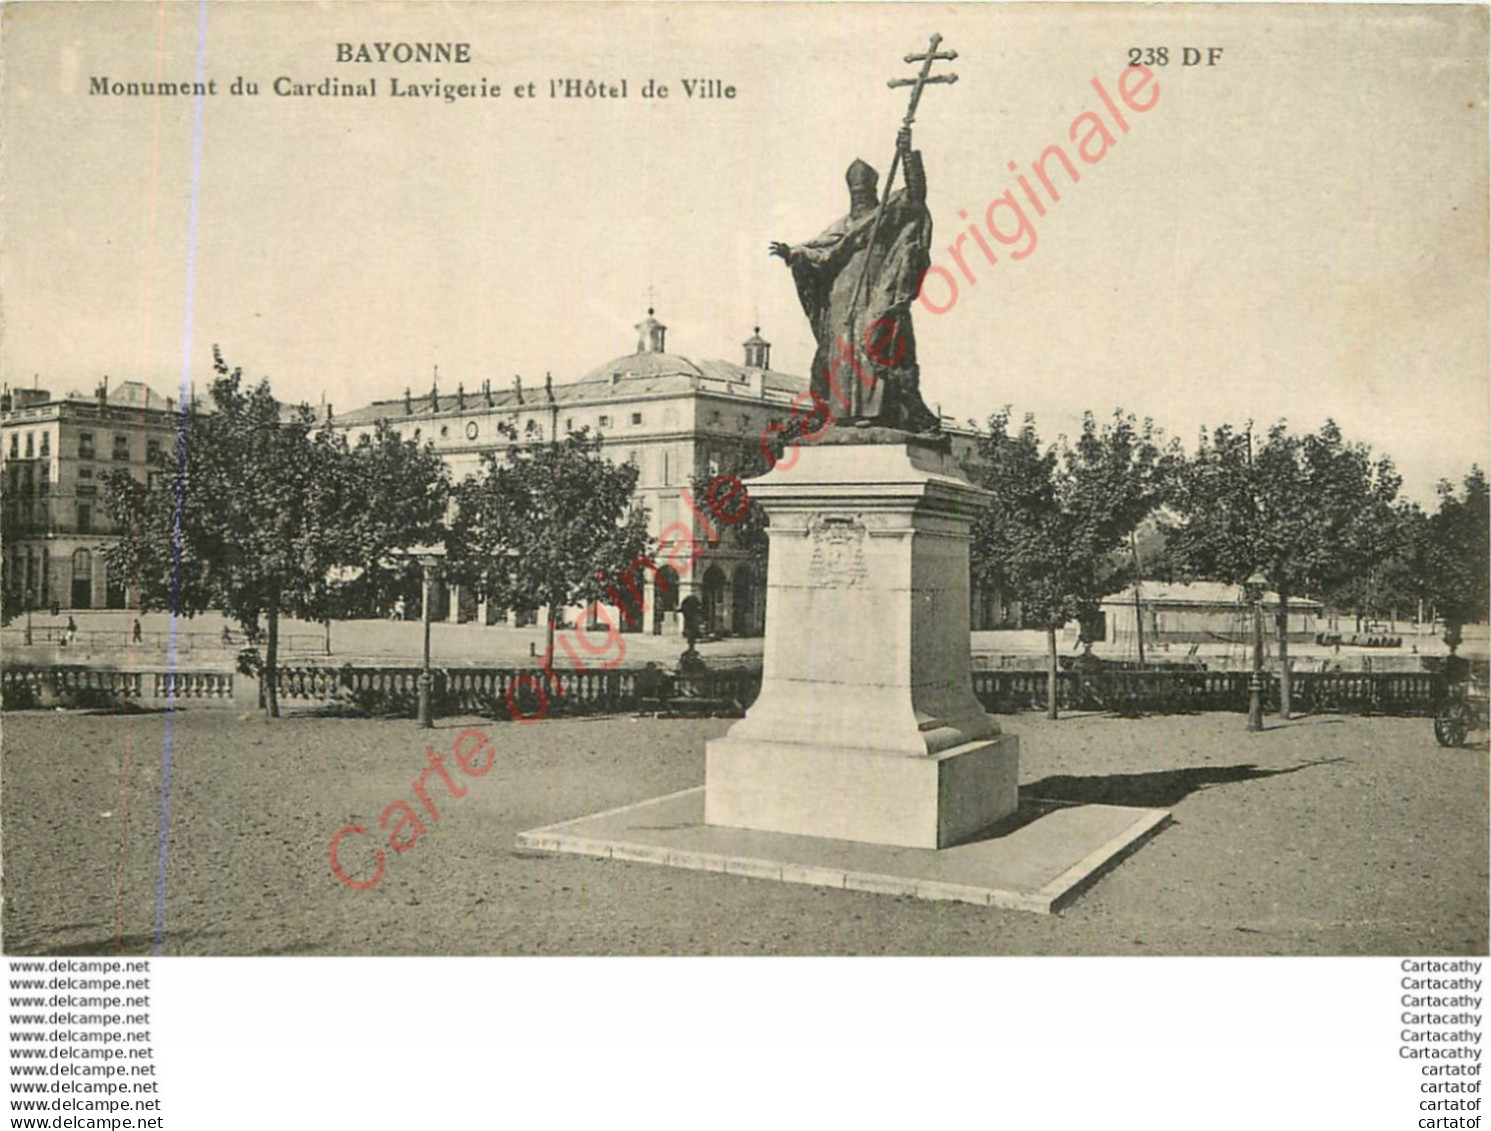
{"x": 103, "y": 392}
{"x": 549, "y": 386}
{"x": 486, "y": 389}
{"x": 461, "y": 395}
{"x": 518, "y": 386}
{"x": 327, "y": 407}
{"x": 408, "y": 402}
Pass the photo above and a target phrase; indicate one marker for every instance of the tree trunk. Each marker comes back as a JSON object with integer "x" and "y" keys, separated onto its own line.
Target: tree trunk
{"x": 1285, "y": 690}
{"x": 271, "y": 660}
{"x": 1051, "y": 680}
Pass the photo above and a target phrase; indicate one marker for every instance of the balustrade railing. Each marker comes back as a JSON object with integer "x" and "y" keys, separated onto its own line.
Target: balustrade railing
{"x": 494, "y": 692}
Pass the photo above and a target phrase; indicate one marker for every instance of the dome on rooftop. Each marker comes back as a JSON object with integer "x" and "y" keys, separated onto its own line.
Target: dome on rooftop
{"x": 650, "y": 360}
{"x": 644, "y": 364}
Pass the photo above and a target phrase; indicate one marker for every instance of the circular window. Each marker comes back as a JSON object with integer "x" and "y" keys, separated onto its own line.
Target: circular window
{"x": 471, "y": 430}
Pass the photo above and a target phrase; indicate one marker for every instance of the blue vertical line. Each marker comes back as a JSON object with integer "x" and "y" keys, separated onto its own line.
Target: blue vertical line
{"x": 176, "y": 529}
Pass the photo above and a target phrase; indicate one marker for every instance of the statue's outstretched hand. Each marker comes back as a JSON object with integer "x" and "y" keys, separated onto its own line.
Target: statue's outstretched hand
{"x": 781, "y": 250}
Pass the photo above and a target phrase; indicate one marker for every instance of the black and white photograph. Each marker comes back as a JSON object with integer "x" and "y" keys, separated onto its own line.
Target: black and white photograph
{"x": 830, "y": 481}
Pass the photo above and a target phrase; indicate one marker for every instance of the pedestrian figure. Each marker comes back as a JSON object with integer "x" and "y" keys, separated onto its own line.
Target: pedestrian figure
{"x": 135, "y": 633}
{"x": 72, "y": 630}
{"x": 56, "y": 607}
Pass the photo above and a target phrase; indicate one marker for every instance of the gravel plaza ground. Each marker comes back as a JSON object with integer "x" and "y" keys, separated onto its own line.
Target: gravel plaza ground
{"x": 1324, "y": 835}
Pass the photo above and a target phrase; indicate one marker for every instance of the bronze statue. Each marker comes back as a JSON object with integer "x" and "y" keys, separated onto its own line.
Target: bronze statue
{"x": 857, "y": 281}
{"x": 857, "y": 296}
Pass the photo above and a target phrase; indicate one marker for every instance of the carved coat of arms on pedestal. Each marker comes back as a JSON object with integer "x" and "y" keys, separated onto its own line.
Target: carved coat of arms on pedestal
{"x": 838, "y": 550}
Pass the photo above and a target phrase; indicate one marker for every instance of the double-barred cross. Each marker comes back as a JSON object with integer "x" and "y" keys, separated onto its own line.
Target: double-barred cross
{"x": 923, "y": 79}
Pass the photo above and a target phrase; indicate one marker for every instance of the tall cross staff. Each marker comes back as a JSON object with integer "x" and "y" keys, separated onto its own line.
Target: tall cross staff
{"x": 922, "y": 80}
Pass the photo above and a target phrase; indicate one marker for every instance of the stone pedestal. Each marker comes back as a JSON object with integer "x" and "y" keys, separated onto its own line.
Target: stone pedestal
{"x": 866, "y": 727}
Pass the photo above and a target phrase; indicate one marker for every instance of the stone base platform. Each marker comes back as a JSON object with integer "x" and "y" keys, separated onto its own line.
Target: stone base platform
{"x": 911, "y": 802}
{"x": 1039, "y": 859}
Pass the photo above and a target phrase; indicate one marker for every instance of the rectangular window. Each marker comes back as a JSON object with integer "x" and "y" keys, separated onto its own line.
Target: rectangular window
{"x": 30, "y": 444}
{"x": 85, "y": 445}
{"x": 85, "y": 473}
{"x": 569, "y": 423}
{"x": 152, "y": 450}
{"x": 46, "y": 444}
{"x": 636, "y": 418}
{"x": 121, "y": 446}
{"x": 605, "y": 421}
{"x": 85, "y": 518}
{"x": 15, "y": 445}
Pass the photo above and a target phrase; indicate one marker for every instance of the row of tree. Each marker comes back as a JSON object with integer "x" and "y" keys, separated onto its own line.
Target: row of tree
{"x": 1315, "y": 514}
{"x": 264, "y": 513}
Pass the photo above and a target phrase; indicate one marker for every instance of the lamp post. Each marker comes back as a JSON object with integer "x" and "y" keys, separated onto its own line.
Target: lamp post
{"x": 1254, "y": 587}
{"x": 429, "y": 558}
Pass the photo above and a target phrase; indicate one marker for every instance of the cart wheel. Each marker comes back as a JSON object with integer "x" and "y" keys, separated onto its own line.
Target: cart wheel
{"x": 1452, "y": 724}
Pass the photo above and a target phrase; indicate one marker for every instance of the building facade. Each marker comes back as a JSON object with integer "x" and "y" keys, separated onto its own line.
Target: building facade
{"x": 674, "y": 418}
{"x": 55, "y": 457}
{"x": 1201, "y": 612}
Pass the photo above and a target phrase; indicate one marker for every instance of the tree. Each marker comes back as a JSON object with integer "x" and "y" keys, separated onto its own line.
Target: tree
{"x": 552, "y": 524}
{"x": 394, "y": 495}
{"x": 1459, "y": 553}
{"x": 1308, "y": 511}
{"x": 256, "y": 512}
{"x": 1059, "y": 516}
{"x": 1399, "y": 580}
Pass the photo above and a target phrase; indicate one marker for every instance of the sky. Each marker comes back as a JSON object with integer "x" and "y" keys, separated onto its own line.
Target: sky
{"x": 1296, "y": 232}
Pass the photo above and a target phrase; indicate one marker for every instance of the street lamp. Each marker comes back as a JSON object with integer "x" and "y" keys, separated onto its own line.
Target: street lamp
{"x": 1254, "y": 587}
{"x": 429, "y": 558}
